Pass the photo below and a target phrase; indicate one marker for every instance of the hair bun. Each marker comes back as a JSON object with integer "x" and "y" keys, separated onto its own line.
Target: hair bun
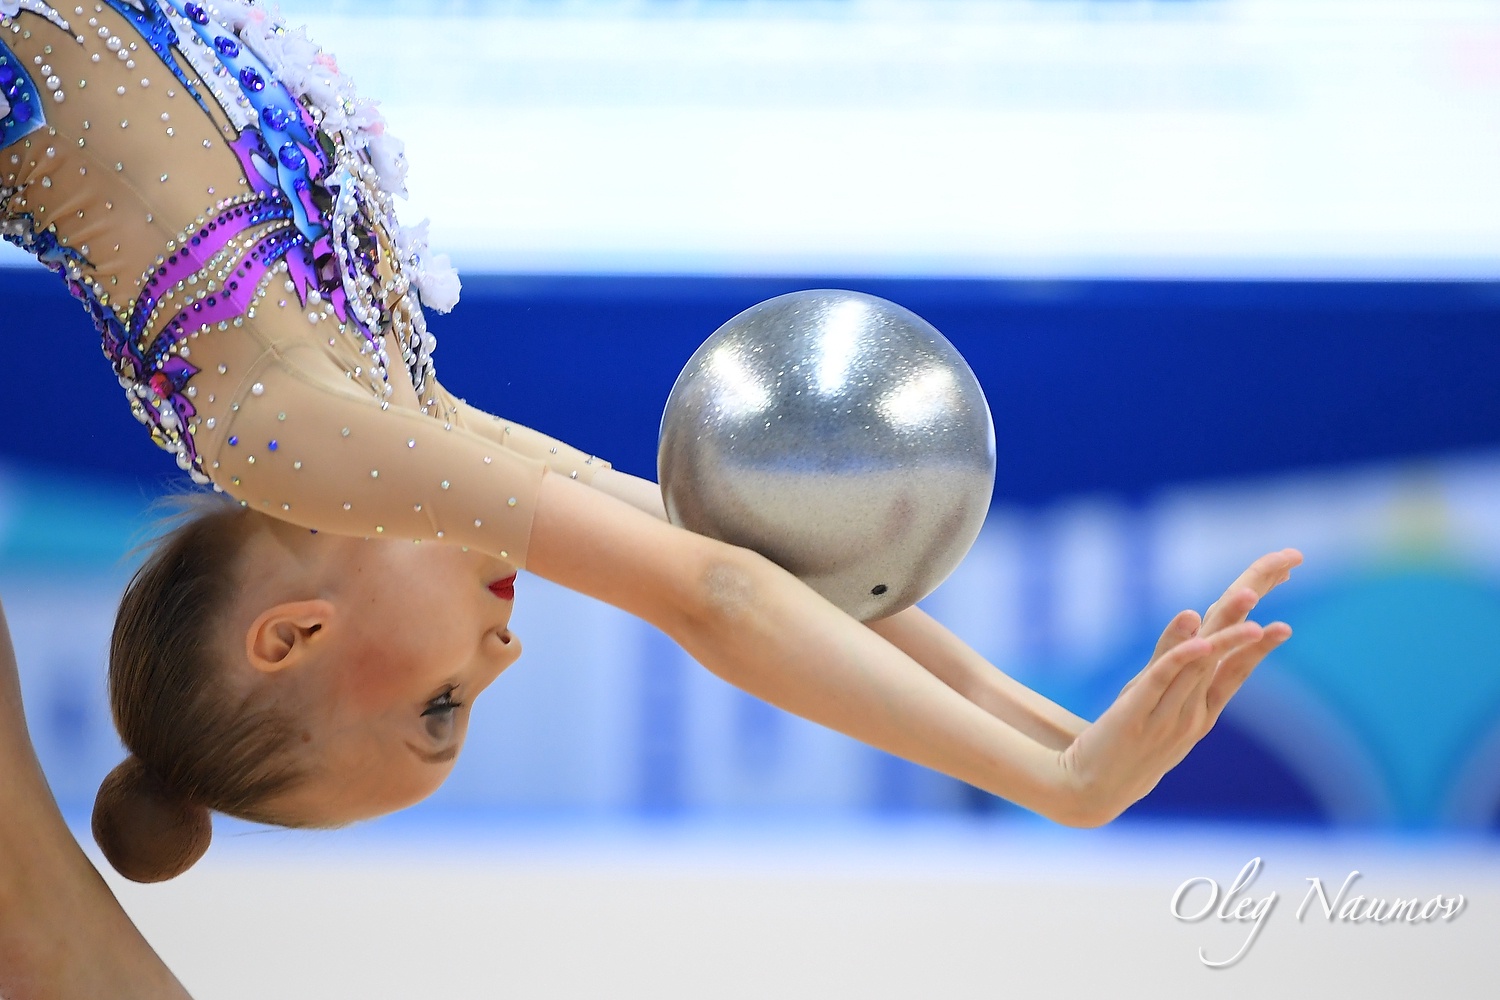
{"x": 148, "y": 833}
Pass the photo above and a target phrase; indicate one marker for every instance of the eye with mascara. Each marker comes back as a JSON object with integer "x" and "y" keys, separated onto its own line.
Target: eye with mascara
{"x": 439, "y": 714}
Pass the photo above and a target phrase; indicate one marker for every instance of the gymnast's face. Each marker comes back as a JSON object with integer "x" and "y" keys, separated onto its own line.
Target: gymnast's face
{"x": 379, "y": 649}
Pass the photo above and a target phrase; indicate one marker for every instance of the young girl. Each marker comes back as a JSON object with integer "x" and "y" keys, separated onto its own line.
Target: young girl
{"x": 220, "y": 200}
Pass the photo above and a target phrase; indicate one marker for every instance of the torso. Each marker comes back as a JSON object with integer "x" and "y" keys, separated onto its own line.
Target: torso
{"x": 152, "y": 157}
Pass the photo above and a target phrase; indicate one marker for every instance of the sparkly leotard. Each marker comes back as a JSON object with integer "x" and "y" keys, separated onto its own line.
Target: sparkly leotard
{"x": 220, "y": 200}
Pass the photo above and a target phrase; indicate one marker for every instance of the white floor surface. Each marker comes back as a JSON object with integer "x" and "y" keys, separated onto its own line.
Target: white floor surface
{"x": 828, "y": 912}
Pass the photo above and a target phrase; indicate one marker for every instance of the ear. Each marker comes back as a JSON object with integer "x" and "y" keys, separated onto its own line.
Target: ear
{"x": 286, "y": 635}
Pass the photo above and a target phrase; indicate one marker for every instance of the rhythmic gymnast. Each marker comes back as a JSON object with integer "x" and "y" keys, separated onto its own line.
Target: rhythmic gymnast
{"x": 220, "y": 200}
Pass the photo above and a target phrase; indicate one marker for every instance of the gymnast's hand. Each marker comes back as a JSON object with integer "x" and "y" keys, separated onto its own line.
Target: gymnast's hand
{"x": 1163, "y": 712}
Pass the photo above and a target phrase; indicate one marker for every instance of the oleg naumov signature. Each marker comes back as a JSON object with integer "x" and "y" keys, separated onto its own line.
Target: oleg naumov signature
{"x": 1236, "y": 905}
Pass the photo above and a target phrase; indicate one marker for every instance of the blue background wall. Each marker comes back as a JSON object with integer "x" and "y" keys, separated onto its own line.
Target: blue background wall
{"x": 1153, "y": 436}
{"x": 1113, "y": 386}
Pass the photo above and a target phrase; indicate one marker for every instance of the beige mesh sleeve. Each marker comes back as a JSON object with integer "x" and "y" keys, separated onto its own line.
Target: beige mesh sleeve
{"x": 556, "y": 455}
{"x": 293, "y": 439}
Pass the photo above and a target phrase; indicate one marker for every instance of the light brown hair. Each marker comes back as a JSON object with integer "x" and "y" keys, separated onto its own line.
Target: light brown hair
{"x": 196, "y": 743}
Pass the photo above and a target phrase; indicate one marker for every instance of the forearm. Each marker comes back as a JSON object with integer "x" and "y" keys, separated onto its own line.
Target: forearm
{"x": 925, "y": 640}
{"x": 759, "y": 628}
{"x": 950, "y": 660}
{"x": 777, "y": 640}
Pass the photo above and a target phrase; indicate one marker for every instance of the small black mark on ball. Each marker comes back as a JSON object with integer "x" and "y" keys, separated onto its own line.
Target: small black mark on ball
{"x": 879, "y": 589}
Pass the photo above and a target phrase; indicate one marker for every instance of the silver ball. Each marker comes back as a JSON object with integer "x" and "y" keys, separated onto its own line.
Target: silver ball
{"x": 840, "y": 436}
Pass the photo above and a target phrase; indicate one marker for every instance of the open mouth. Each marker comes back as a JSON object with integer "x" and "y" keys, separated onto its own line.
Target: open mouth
{"x": 505, "y": 589}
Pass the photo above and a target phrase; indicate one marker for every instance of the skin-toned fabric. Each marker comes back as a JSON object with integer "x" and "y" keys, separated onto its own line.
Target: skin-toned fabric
{"x": 216, "y": 231}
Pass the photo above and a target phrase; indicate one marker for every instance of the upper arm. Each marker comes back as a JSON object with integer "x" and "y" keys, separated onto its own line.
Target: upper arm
{"x": 293, "y": 440}
{"x": 556, "y": 455}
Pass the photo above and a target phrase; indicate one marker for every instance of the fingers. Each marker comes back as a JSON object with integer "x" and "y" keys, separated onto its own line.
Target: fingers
{"x": 1257, "y": 581}
{"x": 1182, "y": 627}
{"x": 1193, "y": 678}
{"x": 1169, "y": 680}
{"x": 1234, "y": 671}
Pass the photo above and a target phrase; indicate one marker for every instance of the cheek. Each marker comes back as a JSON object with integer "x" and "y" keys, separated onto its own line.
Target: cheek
{"x": 381, "y": 662}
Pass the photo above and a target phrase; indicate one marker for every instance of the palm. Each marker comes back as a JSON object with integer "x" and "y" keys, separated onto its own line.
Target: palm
{"x": 1175, "y": 700}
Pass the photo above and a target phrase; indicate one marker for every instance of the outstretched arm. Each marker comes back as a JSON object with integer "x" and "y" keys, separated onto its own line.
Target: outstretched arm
{"x": 642, "y": 494}
{"x": 759, "y": 628}
{"x": 956, "y": 664}
{"x": 968, "y": 673}
{"x": 919, "y": 636}
{"x": 952, "y": 661}
{"x": 63, "y": 935}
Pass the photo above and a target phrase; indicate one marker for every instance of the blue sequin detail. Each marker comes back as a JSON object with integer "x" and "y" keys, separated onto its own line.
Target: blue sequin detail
{"x": 273, "y": 445}
{"x": 197, "y": 13}
{"x": 291, "y": 157}
{"x": 228, "y": 47}
{"x": 234, "y": 440}
{"x": 264, "y": 92}
{"x": 26, "y": 113}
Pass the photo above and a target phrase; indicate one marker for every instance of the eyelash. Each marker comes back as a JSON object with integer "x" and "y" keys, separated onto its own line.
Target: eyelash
{"x": 443, "y": 704}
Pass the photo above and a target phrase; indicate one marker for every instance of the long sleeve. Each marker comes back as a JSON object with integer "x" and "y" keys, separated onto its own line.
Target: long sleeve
{"x": 288, "y": 426}
{"x": 555, "y": 454}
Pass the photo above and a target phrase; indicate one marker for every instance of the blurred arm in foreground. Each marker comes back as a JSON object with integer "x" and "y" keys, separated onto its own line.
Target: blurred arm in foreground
{"x": 63, "y": 935}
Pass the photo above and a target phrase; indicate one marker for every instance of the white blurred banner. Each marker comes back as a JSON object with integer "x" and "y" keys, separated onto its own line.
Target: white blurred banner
{"x": 1234, "y": 138}
{"x": 1239, "y": 138}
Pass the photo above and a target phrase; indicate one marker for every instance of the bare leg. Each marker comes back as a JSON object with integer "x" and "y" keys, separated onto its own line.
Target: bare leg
{"x": 63, "y": 935}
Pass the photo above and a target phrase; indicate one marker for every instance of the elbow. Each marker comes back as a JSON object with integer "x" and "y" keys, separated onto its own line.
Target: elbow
{"x": 724, "y": 590}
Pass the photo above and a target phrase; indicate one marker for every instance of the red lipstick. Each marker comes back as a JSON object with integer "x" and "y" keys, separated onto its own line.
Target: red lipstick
{"x": 505, "y": 589}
